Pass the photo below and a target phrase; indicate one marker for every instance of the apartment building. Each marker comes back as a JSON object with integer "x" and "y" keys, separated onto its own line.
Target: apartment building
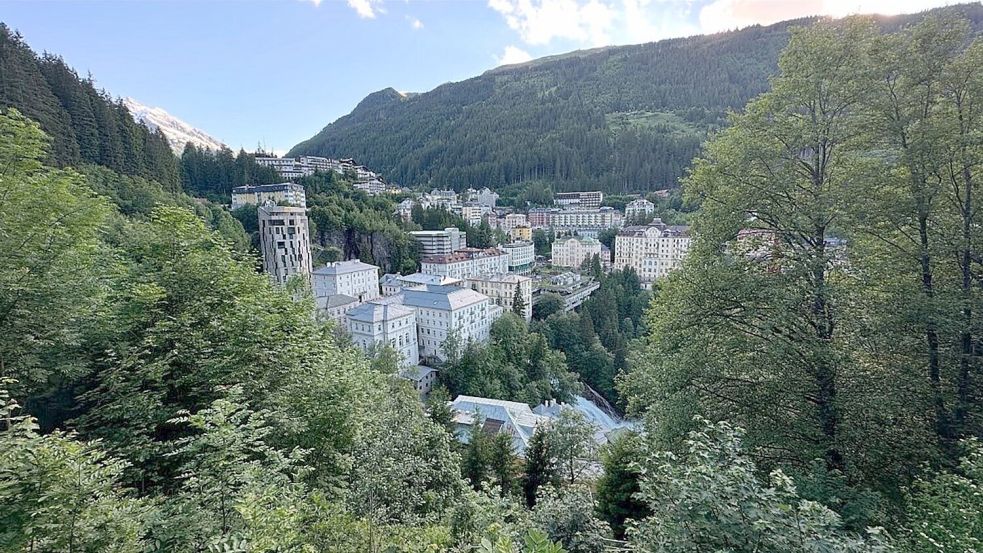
{"x": 653, "y": 250}
{"x": 588, "y": 222}
{"x": 444, "y": 311}
{"x": 522, "y": 256}
{"x": 351, "y": 278}
{"x": 580, "y": 200}
{"x": 521, "y": 233}
{"x": 639, "y": 209}
{"x": 440, "y": 242}
{"x": 383, "y": 323}
{"x": 513, "y": 220}
{"x": 571, "y": 251}
{"x": 540, "y": 217}
{"x": 285, "y": 242}
{"x": 501, "y": 290}
{"x": 466, "y": 262}
{"x": 283, "y": 193}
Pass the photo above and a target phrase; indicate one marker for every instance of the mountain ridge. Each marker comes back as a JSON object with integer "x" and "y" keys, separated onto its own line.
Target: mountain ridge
{"x": 177, "y": 131}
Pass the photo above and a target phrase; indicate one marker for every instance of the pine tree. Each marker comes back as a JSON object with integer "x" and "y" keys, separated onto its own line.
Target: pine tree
{"x": 519, "y": 304}
{"x": 541, "y": 467}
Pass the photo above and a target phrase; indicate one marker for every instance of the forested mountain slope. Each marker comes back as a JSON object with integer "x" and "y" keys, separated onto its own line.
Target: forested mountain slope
{"x": 615, "y": 118}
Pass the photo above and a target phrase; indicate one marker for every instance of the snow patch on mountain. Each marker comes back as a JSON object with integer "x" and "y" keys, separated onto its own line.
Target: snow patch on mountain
{"x": 178, "y": 132}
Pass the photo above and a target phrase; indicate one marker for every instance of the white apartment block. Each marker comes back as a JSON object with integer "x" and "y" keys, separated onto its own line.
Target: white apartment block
{"x": 581, "y": 200}
{"x": 589, "y": 220}
{"x": 286, "y": 167}
{"x": 522, "y": 256}
{"x": 285, "y": 242}
{"x": 380, "y": 323}
{"x": 637, "y": 209}
{"x": 443, "y": 311}
{"x": 372, "y": 186}
{"x": 466, "y": 262}
{"x": 440, "y": 242}
{"x": 473, "y": 213}
{"x": 501, "y": 290}
{"x": 571, "y": 251}
{"x": 513, "y": 220}
{"x": 351, "y": 278}
{"x": 283, "y": 193}
{"x": 653, "y": 250}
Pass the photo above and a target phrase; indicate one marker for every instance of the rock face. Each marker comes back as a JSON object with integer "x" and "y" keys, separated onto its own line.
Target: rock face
{"x": 178, "y": 132}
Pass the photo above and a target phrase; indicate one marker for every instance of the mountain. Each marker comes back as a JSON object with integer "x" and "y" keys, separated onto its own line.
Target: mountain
{"x": 178, "y": 132}
{"x": 619, "y": 118}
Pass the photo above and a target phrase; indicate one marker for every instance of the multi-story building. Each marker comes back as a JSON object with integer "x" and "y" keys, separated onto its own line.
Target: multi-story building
{"x": 653, "y": 250}
{"x": 422, "y": 378}
{"x": 571, "y": 251}
{"x": 501, "y": 289}
{"x": 588, "y": 222}
{"x": 322, "y": 164}
{"x": 522, "y": 256}
{"x": 285, "y": 242}
{"x": 573, "y": 288}
{"x": 334, "y": 307}
{"x": 444, "y": 311}
{"x": 473, "y": 213}
{"x": 513, "y": 220}
{"x": 540, "y": 217}
{"x": 372, "y": 186}
{"x": 286, "y": 167}
{"x": 405, "y": 209}
{"x": 284, "y": 193}
{"x": 521, "y": 233}
{"x": 351, "y": 278}
{"x": 485, "y": 198}
{"x": 440, "y": 242}
{"x": 581, "y": 200}
{"x": 393, "y": 284}
{"x": 385, "y": 323}
{"x": 638, "y": 209}
{"x": 466, "y": 262}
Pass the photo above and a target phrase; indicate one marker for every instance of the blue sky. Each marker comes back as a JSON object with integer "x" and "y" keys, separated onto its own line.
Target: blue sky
{"x": 275, "y": 72}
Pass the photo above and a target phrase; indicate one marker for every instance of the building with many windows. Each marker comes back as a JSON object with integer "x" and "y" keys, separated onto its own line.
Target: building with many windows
{"x": 513, "y": 220}
{"x": 639, "y": 209}
{"x": 653, "y": 250}
{"x": 333, "y": 308}
{"x": 351, "y": 278}
{"x": 579, "y": 200}
{"x": 440, "y": 242}
{"x": 571, "y": 251}
{"x": 522, "y": 256}
{"x": 521, "y": 233}
{"x": 466, "y": 262}
{"x": 540, "y": 217}
{"x": 385, "y": 323}
{"x": 285, "y": 242}
{"x": 501, "y": 290}
{"x": 586, "y": 221}
{"x": 393, "y": 284}
{"x": 444, "y": 311}
{"x": 285, "y": 193}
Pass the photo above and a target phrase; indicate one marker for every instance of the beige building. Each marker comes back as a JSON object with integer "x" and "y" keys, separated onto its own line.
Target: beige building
{"x": 653, "y": 250}
{"x": 466, "y": 262}
{"x": 501, "y": 290}
{"x": 586, "y": 221}
{"x": 571, "y": 251}
{"x": 522, "y": 233}
{"x": 285, "y": 242}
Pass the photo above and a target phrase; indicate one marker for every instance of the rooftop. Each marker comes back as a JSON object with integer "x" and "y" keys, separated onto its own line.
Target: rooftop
{"x": 372, "y": 312}
{"x": 335, "y": 300}
{"x": 463, "y": 254}
{"x": 344, "y": 267}
{"x": 249, "y": 189}
{"x": 441, "y": 297}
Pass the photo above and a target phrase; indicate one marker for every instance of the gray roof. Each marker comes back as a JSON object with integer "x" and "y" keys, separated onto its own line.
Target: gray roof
{"x": 441, "y": 297}
{"x": 376, "y": 312}
{"x": 249, "y": 189}
{"x": 335, "y": 300}
{"x": 416, "y": 373}
{"x": 343, "y": 267}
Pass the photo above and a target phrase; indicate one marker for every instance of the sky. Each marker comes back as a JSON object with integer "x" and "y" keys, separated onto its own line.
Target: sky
{"x": 272, "y": 73}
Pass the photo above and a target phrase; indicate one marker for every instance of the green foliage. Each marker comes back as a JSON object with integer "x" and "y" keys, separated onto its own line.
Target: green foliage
{"x": 541, "y": 464}
{"x": 547, "y": 305}
{"x": 211, "y": 174}
{"x": 711, "y": 498}
{"x": 617, "y": 488}
{"x": 568, "y": 517}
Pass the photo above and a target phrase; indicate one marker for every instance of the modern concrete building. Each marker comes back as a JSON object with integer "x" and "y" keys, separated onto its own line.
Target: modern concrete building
{"x": 444, "y": 311}
{"x": 522, "y": 256}
{"x": 501, "y": 290}
{"x": 638, "y": 209}
{"x": 572, "y": 287}
{"x": 351, "y": 278}
{"x": 440, "y": 242}
{"x": 571, "y": 251}
{"x": 653, "y": 250}
{"x": 285, "y": 193}
{"x": 384, "y": 323}
{"x": 466, "y": 262}
{"x": 285, "y": 242}
{"x": 580, "y": 200}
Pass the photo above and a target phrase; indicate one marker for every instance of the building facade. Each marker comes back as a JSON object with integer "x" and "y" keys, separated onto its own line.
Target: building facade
{"x": 501, "y": 290}
{"x": 652, "y": 250}
{"x": 571, "y": 251}
{"x": 581, "y": 200}
{"x": 351, "y": 278}
{"x": 283, "y": 193}
{"x": 285, "y": 242}
{"x": 586, "y": 221}
{"x": 393, "y": 284}
{"x": 444, "y": 311}
{"x": 380, "y": 323}
{"x": 522, "y": 256}
{"x": 466, "y": 262}
{"x": 639, "y": 209}
{"x": 513, "y": 220}
{"x": 440, "y": 242}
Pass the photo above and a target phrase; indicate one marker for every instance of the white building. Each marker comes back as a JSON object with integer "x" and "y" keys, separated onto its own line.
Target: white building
{"x": 283, "y": 193}
{"x": 571, "y": 251}
{"x": 501, "y": 290}
{"x": 382, "y": 323}
{"x": 372, "y": 186}
{"x": 285, "y": 242}
{"x": 473, "y": 213}
{"x": 653, "y": 250}
{"x": 496, "y": 415}
{"x": 351, "y": 278}
{"x": 466, "y": 262}
{"x": 334, "y": 307}
{"x": 443, "y": 311}
{"x": 580, "y": 200}
{"x": 405, "y": 209}
{"x": 423, "y": 378}
{"x": 638, "y": 209}
{"x": 486, "y": 198}
{"x": 522, "y": 256}
{"x": 440, "y": 242}
{"x": 393, "y": 284}
{"x": 513, "y": 220}
{"x": 586, "y": 221}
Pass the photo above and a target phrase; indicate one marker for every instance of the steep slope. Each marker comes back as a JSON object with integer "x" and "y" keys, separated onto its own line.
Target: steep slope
{"x": 178, "y": 132}
{"x": 614, "y": 118}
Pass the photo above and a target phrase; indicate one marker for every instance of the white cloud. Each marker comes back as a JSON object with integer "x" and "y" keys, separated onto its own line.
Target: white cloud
{"x": 513, "y": 54}
{"x": 539, "y": 22}
{"x": 366, "y": 9}
{"x": 415, "y": 23}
